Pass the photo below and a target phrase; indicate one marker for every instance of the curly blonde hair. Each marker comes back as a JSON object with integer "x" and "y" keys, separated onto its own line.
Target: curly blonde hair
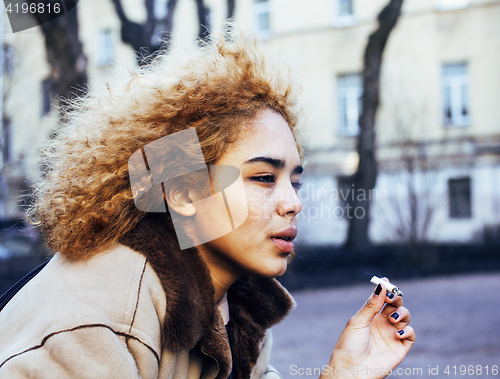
{"x": 84, "y": 202}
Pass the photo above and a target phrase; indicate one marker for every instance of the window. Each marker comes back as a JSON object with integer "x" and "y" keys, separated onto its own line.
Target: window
{"x": 262, "y": 12}
{"x": 160, "y": 12}
{"x": 344, "y": 13}
{"x": 160, "y": 9}
{"x": 455, "y": 94}
{"x": 105, "y": 48}
{"x": 8, "y": 60}
{"x": 349, "y": 92}
{"x": 345, "y": 8}
{"x": 5, "y": 142}
{"x": 459, "y": 196}
{"x": 46, "y": 99}
{"x": 447, "y": 5}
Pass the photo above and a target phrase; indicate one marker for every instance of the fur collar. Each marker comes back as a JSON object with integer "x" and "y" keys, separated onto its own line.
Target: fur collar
{"x": 255, "y": 304}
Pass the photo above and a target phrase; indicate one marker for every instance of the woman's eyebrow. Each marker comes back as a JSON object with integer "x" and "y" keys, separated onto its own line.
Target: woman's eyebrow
{"x": 276, "y": 163}
{"x": 298, "y": 170}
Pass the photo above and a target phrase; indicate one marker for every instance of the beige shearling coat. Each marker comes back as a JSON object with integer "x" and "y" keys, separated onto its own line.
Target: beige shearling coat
{"x": 145, "y": 310}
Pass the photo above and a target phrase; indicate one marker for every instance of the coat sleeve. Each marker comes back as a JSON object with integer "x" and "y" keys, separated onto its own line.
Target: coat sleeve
{"x": 263, "y": 370}
{"x": 85, "y": 352}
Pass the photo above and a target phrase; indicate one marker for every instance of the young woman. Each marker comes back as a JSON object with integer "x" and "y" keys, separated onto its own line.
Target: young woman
{"x": 124, "y": 297}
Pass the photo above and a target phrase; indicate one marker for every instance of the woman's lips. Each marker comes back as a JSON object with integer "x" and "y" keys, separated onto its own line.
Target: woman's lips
{"x": 284, "y": 246}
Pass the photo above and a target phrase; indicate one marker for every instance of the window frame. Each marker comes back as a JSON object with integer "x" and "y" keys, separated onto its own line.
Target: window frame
{"x": 348, "y": 93}
{"x": 459, "y": 212}
{"x": 46, "y": 96}
{"x": 343, "y": 20}
{"x": 450, "y": 5}
{"x": 160, "y": 9}
{"x": 458, "y": 100}
{"x": 262, "y": 7}
{"x": 105, "y": 48}
{"x": 6, "y": 141}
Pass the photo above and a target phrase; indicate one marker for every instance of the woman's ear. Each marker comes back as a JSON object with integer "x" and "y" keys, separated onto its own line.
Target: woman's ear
{"x": 181, "y": 201}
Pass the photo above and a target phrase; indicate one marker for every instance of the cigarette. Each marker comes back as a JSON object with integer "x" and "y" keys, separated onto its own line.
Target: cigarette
{"x": 388, "y": 286}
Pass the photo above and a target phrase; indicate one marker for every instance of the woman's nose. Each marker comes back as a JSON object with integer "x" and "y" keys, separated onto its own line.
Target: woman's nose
{"x": 288, "y": 202}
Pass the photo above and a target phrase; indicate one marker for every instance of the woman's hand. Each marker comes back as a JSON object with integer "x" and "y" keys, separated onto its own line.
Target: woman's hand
{"x": 373, "y": 342}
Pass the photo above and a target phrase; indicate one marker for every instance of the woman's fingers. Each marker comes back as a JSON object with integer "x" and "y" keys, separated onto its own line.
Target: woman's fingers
{"x": 371, "y": 308}
{"x": 400, "y": 317}
{"x": 406, "y": 335}
{"x": 393, "y": 299}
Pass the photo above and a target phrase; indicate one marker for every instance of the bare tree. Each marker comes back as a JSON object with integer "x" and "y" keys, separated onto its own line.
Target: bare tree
{"x": 364, "y": 179}
{"x": 420, "y": 181}
{"x": 154, "y": 35}
{"x": 65, "y": 55}
{"x": 203, "y": 17}
{"x": 149, "y": 37}
{"x": 412, "y": 174}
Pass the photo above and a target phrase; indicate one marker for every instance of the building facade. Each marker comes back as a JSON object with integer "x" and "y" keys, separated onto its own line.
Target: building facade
{"x": 438, "y": 126}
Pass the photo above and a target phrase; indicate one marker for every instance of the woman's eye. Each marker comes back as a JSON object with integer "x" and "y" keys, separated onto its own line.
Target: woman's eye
{"x": 297, "y": 185}
{"x": 264, "y": 178}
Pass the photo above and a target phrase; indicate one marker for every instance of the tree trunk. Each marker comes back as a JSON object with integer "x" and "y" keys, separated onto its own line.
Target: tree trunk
{"x": 230, "y": 9}
{"x": 140, "y": 36}
{"x": 203, "y": 20}
{"x": 65, "y": 56}
{"x": 365, "y": 178}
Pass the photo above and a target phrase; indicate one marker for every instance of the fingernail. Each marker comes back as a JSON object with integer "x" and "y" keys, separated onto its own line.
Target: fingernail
{"x": 395, "y": 316}
{"x": 390, "y": 295}
{"x": 378, "y": 289}
{"x": 401, "y": 332}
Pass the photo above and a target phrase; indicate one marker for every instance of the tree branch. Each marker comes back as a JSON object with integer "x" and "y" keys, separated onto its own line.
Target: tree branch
{"x": 140, "y": 36}
{"x": 133, "y": 33}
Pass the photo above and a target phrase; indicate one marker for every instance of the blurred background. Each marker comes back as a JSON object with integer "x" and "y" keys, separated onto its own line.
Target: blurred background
{"x": 401, "y": 134}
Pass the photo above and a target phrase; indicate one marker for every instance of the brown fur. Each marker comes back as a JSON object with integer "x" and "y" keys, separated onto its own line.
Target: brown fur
{"x": 255, "y": 304}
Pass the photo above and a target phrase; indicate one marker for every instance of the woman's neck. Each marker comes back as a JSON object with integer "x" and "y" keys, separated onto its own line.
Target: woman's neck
{"x": 222, "y": 273}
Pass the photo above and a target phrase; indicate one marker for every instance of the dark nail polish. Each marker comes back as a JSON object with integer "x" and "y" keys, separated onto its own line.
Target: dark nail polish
{"x": 401, "y": 332}
{"x": 390, "y": 295}
{"x": 378, "y": 290}
{"x": 395, "y": 315}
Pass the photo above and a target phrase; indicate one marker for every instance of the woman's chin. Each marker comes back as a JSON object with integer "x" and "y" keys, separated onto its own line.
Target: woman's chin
{"x": 274, "y": 270}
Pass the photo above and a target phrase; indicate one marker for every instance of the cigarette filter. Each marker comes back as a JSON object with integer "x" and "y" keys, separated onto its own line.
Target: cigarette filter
{"x": 388, "y": 286}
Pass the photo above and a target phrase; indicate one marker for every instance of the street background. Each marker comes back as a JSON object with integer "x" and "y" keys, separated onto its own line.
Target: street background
{"x": 456, "y": 319}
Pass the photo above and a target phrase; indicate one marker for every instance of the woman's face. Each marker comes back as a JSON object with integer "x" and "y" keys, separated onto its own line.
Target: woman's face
{"x": 269, "y": 162}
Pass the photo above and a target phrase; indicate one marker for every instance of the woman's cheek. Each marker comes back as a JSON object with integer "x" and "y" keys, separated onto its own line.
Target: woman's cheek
{"x": 236, "y": 199}
{"x": 260, "y": 209}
